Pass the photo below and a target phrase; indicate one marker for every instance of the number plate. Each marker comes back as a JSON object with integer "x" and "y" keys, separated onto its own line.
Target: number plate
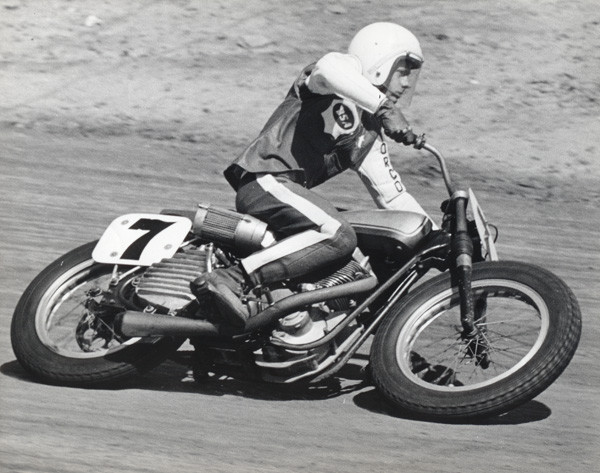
{"x": 141, "y": 239}
{"x": 488, "y": 247}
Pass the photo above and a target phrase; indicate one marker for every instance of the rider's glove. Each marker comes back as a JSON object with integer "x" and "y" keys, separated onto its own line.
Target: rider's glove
{"x": 394, "y": 124}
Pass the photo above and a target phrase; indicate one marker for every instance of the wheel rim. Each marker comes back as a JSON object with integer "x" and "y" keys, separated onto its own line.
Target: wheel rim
{"x": 64, "y": 324}
{"x": 431, "y": 352}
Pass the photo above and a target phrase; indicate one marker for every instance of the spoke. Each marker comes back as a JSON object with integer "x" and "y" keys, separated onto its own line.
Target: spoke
{"x": 115, "y": 336}
{"x": 504, "y": 350}
{"x": 474, "y": 371}
{"x": 508, "y": 353}
{"x": 514, "y": 331}
{"x": 54, "y": 319}
{"x": 509, "y": 325}
{"x": 472, "y": 357}
{"x": 439, "y": 341}
{"x": 505, "y": 321}
{"x": 488, "y": 342}
{"x": 500, "y": 367}
{"x": 442, "y": 375}
{"x": 67, "y": 313}
{"x": 449, "y": 347}
{"x": 458, "y": 360}
{"x": 429, "y": 367}
{"x": 494, "y": 364}
{"x": 510, "y": 358}
{"x": 69, "y": 296}
{"x": 513, "y": 337}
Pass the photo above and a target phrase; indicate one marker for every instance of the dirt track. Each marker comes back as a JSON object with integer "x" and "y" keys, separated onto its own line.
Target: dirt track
{"x": 78, "y": 150}
{"x": 163, "y": 424}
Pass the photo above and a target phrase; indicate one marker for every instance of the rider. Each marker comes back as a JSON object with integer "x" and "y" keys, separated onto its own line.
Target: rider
{"x": 331, "y": 120}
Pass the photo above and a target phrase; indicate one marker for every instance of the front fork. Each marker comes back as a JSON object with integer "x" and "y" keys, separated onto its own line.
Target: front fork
{"x": 472, "y": 310}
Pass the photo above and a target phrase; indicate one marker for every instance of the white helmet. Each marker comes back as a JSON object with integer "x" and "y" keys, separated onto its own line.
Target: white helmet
{"x": 379, "y": 47}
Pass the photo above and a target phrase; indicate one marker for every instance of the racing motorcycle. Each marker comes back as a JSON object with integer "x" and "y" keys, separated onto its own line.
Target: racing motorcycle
{"x": 454, "y": 332}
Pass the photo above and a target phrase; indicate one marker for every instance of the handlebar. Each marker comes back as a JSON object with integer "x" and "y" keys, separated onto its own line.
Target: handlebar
{"x": 421, "y": 144}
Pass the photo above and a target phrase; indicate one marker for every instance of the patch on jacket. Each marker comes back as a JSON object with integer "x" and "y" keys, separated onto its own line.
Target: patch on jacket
{"x": 341, "y": 117}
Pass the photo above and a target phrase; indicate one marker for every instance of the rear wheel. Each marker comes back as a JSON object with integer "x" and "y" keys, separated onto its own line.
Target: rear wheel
{"x": 530, "y": 326}
{"x": 62, "y": 330}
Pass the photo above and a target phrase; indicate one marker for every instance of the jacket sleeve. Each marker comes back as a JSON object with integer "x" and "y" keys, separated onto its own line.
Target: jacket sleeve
{"x": 384, "y": 183}
{"x": 340, "y": 74}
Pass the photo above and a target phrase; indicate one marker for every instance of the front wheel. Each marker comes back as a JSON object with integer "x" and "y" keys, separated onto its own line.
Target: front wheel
{"x": 62, "y": 331}
{"x": 530, "y": 324}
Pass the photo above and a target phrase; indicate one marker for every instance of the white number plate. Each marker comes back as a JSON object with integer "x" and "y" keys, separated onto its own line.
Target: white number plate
{"x": 141, "y": 239}
{"x": 488, "y": 247}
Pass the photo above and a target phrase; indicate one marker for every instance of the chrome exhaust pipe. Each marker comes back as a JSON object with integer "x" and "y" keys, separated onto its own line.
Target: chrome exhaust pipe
{"x": 293, "y": 303}
{"x": 140, "y": 324}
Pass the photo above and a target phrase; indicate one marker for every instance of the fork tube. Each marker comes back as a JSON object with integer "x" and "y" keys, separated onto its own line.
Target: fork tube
{"x": 462, "y": 247}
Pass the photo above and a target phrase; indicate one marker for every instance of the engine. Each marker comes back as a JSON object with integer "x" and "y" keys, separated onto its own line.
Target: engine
{"x": 314, "y": 323}
{"x": 167, "y": 283}
{"x": 295, "y": 350}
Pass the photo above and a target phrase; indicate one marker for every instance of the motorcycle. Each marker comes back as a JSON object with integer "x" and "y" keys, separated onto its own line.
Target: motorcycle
{"x": 455, "y": 332}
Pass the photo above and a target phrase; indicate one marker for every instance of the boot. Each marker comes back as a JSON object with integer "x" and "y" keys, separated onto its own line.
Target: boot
{"x": 224, "y": 286}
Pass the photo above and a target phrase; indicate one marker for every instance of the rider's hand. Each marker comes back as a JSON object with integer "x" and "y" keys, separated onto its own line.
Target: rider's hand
{"x": 394, "y": 124}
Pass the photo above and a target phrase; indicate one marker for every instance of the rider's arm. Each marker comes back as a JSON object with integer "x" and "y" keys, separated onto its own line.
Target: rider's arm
{"x": 384, "y": 183}
{"x": 340, "y": 74}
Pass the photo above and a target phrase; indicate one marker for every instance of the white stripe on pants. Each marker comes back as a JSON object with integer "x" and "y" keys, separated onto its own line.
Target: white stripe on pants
{"x": 328, "y": 226}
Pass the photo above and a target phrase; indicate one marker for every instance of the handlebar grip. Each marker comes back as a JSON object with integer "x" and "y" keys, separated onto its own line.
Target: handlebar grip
{"x": 420, "y": 141}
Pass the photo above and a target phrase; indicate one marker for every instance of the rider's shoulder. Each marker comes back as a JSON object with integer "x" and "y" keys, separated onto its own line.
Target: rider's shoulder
{"x": 329, "y": 69}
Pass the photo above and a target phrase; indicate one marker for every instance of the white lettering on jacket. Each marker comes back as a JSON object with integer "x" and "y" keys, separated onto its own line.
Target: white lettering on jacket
{"x": 394, "y": 176}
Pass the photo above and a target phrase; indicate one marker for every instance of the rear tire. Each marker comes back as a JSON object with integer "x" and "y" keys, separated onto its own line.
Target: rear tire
{"x": 49, "y": 331}
{"x": 532, "y": 324}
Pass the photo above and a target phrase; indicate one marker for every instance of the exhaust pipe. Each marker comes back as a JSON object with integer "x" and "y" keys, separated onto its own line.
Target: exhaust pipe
{"x": 140, "y": 324}
{"x": 291, "y": 304}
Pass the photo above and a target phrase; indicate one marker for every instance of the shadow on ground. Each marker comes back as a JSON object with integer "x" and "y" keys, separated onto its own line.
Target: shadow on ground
{"x": 175, "y": 377}
{"x": 531, "y": 411}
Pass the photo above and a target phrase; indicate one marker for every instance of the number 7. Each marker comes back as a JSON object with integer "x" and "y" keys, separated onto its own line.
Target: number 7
{"x": 153, "y": 227}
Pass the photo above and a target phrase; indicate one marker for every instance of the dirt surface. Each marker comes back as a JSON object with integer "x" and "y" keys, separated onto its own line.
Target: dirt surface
{"x": 112, "y": 107}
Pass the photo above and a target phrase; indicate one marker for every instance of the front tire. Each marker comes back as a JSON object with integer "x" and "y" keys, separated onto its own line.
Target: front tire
{"x": 57, "y": 337}
{"x": 531, "y": 324}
